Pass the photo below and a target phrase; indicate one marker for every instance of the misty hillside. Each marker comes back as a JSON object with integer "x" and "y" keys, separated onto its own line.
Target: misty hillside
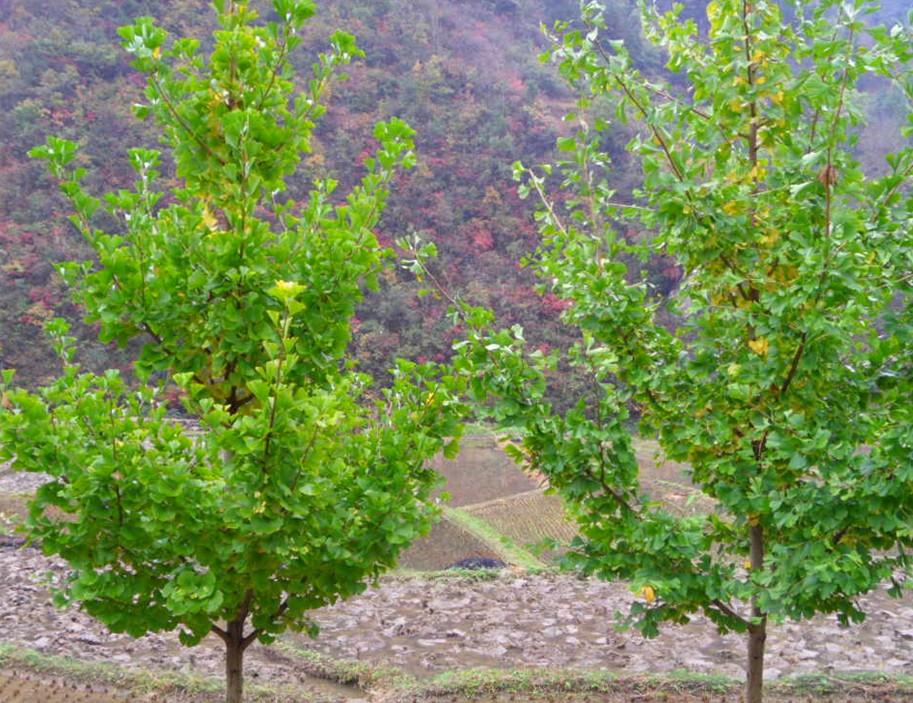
{"x": 465, "y": 74}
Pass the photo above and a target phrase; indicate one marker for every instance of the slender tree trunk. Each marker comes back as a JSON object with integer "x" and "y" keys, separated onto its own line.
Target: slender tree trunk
{"x": 757, "y": 637}
{"x": 757, "y": 629}
{"x": 234, "y": 661}
{"x": 235, "y": 644}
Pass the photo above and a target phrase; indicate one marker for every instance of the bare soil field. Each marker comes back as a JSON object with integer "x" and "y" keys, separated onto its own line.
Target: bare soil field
{"x": 493, "y": 637}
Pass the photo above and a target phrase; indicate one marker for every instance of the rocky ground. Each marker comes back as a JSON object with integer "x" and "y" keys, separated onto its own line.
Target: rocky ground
{"x": 429, "y": 626}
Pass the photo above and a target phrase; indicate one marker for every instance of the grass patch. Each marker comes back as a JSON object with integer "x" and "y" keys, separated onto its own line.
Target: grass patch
{"x": 348, "y": 672}
{"x": 500, "y": 544}
{"x": 47, "y": 672}
{"x": 855, "y": 686}
{"x": 572, "y": 686}
{"x": 148, "y": 684}
{"x": 567, "y": 686}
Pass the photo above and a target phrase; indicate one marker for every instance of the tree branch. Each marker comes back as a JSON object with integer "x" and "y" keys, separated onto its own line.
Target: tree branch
{"x": 727, "y": 611}
{"x": 179, "y": 118}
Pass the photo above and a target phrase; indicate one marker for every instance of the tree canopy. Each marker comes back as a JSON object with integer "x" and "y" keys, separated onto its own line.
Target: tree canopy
{"x": 303, "y": 483}
{"x": 785, "y": 384}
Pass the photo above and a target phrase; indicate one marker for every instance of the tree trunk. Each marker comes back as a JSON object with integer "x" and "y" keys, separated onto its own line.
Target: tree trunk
{"x": 757, "y": 637}
{"x": 757, "y": 628}
{"x": 234, "y": 661}
{"x": 235, "y": 644}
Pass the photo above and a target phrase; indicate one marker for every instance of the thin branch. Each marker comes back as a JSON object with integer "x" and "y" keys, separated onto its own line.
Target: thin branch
{"x": 660, "y": 138}
{"x": 727, "y": 610}
{"x": 283, "y": 46}
{"x": 610, "y": 490}
{"x": 794, "y": 366}
{"x": 904, "y": 176}
{"x": 186, "y": 127}
{"x": 255, "y": 633}
{"x": 665, "y": 95}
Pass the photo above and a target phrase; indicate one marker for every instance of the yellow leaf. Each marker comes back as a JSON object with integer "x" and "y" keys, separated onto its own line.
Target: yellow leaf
{"x": 747, "y": 565}
{"x": 758, "y": 173}
{"x": 770, "y": 237}
{"x": 208, "y": 218}
{"x": 649, "y": 594}
{"x": 759, "y": 346}
{"x": 713, "y": 10}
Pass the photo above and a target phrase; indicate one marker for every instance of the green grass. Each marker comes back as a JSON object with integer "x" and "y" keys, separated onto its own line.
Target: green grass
{"x": 862, "y": 686}
{"x": 362, "y": 675}
{"x": 57, "y": 679}
{"x": 501, "y": 545}
{"x": 103, "y": 674}
{"x": 104, "y": 682}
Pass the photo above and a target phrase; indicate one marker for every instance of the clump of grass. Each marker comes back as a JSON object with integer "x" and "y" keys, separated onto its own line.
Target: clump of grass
{"x": 348, "y": 672}
{"x": 849, "y": 686}
{"x": 150, "y": 686}
{"x": 540, "y": 684}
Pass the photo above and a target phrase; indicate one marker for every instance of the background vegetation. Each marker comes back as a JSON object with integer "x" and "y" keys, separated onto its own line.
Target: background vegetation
{"x": 464, "y": 74}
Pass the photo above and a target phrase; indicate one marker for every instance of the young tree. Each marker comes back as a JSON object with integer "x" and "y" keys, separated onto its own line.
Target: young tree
{"x": 787, "y": 386}
{"x": 303, "y": 483}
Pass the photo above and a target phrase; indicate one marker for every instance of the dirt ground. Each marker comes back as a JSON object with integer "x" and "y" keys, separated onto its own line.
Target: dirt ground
{"x": 426, "y": 627}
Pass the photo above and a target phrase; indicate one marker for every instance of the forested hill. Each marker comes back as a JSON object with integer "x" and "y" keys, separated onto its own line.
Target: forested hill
{"x": 464, "y": 73}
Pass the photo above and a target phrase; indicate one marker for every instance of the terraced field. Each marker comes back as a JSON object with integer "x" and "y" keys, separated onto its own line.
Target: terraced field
{"x": 487, "y": 486}
{"x": 527, "y": 519}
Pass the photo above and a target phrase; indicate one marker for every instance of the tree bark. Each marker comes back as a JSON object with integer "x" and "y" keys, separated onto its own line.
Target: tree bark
{"x": 235, "y": 644}
{"x": 234, "y": 661}
{"x": 757, "y": 628}
{"x": 757, "y": 637}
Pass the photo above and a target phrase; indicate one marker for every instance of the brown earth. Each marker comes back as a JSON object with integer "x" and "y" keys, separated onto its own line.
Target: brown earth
{"x": 426, "y": 627}
{"x": 481, "y": 472}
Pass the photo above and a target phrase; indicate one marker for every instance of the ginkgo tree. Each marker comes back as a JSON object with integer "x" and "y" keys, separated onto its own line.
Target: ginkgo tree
{"x": 303, "y": 483}
{"x": 787, "y": 386}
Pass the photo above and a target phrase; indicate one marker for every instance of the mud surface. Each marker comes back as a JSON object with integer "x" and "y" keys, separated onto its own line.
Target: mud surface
{"x": 430, "y": 626}
{"x": 29, "y": 619}
{"x": 558, "y": 620}
{"x": 427, "y": 626}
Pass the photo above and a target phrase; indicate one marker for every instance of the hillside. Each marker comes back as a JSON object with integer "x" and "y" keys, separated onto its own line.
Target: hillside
{"x": 465, "y": 74}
